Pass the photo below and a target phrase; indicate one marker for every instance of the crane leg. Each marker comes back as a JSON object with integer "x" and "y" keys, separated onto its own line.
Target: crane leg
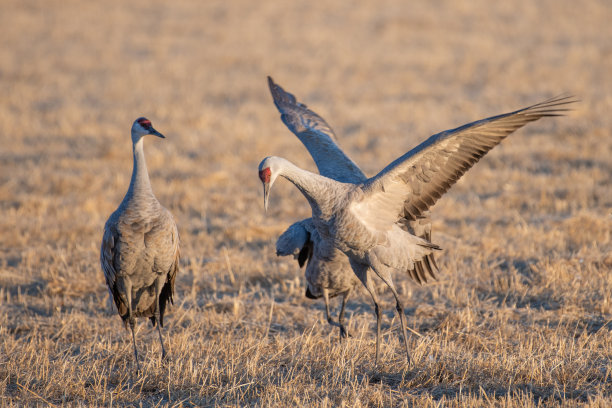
{"x": 158, "y": 287}
{"x": 400, "y": 311}
{"x": 131, "y": 320}
{"x": 326, "y": 300}
{"x": 340, "y": 323}
{"x": 369, "y": 285}
{"x": 343, "y": 333}
{"x": 361, "y": 271}
{"x": 384, "y": 274}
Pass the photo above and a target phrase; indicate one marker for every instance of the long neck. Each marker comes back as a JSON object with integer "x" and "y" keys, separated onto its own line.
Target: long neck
{"x": 140, "y": 184}
{"x": 321, "y": 192}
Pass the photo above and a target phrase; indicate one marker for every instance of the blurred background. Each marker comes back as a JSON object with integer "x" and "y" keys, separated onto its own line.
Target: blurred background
{"x": 75, "y": 75}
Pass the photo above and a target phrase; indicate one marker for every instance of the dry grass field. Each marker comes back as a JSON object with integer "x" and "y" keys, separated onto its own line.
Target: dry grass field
{"x": 521, "y": 312}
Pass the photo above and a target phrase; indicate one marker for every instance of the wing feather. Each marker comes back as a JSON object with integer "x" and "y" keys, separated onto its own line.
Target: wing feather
{"x": 317, "y": 136}
{"x": 413, "y": 183}
{"x": 167, "y": 292}
{"x": 107, "y": 253}
{"x": 320, "y": 140}
{"x": 294, "y": 238}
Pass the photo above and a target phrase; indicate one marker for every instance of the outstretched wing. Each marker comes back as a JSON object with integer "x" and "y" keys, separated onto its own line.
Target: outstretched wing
{"x": 317, "y": 136}
{"x": 413, "y": 183}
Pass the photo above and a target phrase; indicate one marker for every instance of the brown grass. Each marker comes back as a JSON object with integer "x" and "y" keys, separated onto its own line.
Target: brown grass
{"x": 521, "y": 313}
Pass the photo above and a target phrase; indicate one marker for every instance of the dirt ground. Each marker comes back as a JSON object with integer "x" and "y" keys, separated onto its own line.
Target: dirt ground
{"x": 521, "y": 312}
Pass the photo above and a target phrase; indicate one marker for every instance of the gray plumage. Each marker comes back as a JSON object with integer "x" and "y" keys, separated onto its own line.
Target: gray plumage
{"x": 366, "y": 220}
{"x": 317, "y": 136}
{"x": 328, "y": 271}
{"x": 140, "y": 247}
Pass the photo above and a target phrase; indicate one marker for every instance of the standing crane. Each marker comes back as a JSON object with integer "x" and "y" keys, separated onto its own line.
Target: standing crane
{"x": 140, "y": 247}
{"x": 365, "y": 220}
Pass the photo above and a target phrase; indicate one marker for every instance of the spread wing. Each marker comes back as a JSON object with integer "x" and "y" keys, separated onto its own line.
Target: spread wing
{"x": 413, "y": 183}
{"x": 317, "y": 136}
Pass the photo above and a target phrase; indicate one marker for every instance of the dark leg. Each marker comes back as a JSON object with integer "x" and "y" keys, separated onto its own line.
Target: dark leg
{"x": 161, "y": 340}
{"x": 343, "y": 332}
{"x": 361, "y": 271}
{"x": 326, "y": 300}
{"x": 340, "y": 323}
{"x": 370, "y": 287}
{"x": 386, "y": 277}
{"x": 400, "y": 311}
{"x": 131, "y": 320}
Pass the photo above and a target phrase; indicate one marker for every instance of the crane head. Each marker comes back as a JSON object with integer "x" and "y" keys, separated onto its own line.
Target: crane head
{"x": 142, "y": 127}
{"x": 267, "y": 175}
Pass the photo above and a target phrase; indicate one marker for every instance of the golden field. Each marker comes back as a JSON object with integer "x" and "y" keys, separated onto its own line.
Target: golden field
{"x": 521, "y": 312}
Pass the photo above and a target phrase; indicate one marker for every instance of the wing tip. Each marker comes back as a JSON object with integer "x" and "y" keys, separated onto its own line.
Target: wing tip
{"x": 281, "y": 98}
{"x": 271, "y": 82}
{"x": 554, "y": 106}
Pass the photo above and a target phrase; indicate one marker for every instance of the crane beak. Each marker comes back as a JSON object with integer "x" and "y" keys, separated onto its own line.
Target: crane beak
{"x": 266, "y": 187}
{"x": 156, "y": 133}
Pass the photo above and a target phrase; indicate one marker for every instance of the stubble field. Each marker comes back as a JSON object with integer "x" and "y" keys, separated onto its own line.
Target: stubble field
{"x": 521, "y": 312}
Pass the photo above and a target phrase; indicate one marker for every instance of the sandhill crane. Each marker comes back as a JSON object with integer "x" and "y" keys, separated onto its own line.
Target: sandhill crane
{"x": 328, "y": 271}
{"x": 140, "y": 247}
{"x": 364, "y": 220}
